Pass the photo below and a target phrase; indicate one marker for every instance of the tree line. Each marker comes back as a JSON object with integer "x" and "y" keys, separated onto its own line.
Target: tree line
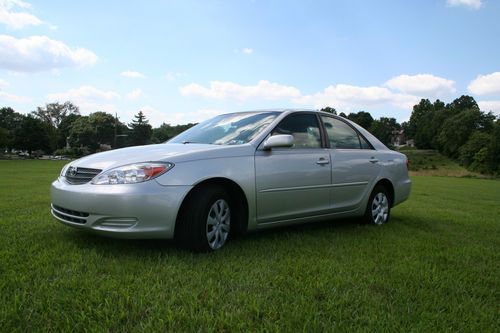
{"x": 60, "y": 129}
{"x": 458, "y": 129}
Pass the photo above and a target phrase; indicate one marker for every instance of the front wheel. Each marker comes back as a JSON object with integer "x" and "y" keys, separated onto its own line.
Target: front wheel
{"x": 205, "y": 223}
{"x": 378, "y": 210}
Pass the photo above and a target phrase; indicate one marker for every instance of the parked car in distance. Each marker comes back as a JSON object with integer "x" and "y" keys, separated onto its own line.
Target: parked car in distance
{"x": 234, "y": 173}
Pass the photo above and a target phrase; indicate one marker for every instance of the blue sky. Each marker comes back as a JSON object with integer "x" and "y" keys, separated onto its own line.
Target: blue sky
{"x": 184, "y": 61}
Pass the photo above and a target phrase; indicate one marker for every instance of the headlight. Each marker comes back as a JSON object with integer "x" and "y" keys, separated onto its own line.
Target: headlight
{"x": 64, "y": 169}
{"x": 132, "y": 173}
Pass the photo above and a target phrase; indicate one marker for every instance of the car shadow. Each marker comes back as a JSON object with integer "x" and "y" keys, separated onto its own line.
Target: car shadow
{"x": 114, "y": 247}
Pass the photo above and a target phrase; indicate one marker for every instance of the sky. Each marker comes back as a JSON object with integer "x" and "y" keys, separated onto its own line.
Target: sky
{"x": 185, "y": 61}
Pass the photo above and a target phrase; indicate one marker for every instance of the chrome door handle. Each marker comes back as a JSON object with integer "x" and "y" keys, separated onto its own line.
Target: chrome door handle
{"x": 373, "y": 160}
{"x": 322, "y": 161}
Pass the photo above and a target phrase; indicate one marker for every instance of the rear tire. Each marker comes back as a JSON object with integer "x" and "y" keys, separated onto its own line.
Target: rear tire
{"x": 205, "y": 222}
{"x": 378, "y": 210}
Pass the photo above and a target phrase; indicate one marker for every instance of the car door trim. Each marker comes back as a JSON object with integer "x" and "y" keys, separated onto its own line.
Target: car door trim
{"x": 309, "y": 187}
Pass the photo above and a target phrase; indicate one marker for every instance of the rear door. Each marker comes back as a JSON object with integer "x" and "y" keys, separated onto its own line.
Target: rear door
{"x": 355, "y": 164}
{"x": 294, "y": 182}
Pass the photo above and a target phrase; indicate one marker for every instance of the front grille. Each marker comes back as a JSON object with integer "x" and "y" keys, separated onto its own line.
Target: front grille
{"x": 69, "y": 215}
{"x": 77, "y": 175}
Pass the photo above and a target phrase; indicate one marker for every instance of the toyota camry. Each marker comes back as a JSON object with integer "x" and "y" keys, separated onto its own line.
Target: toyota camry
{"x": 232, "y": 174}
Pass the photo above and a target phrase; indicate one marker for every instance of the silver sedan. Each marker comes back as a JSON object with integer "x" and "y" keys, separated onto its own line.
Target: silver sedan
{"x": 232, "y": 174}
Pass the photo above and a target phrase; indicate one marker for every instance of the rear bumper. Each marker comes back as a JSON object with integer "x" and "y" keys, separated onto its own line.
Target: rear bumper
{"x": 402, "y": 191}
{"x": 144, "y": 210}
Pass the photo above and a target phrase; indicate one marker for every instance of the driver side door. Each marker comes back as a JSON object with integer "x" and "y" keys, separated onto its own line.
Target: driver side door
{"x": 294, "y": 182}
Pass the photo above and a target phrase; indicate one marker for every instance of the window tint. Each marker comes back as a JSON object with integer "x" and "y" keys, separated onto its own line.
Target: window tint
{"x": 303, "y": 127}
{"x": 341, "y": 135}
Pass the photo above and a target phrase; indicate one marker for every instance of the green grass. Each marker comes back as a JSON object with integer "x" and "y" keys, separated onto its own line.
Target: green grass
{"x": 434, "y": 267}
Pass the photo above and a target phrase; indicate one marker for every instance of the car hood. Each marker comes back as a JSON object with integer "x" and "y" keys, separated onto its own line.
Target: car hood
{"x": 165, "y": 152}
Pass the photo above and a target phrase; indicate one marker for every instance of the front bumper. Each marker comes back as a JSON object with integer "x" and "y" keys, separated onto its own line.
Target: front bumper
{"x": 143, "y": 210}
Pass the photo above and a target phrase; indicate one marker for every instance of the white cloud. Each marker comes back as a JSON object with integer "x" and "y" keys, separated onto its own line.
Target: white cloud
{"x": 230, "y": 90}
{"x": 349, "y": 98}
{"x": 422, "y": 85}
{"x": 132, "y": 75}
{"x": 3, "y": 83}
{"x": 17, "y": 20}
{"x": 247, "y": 50}
{"x": 486, "y": 84}
{"x": 13, "y": 98}
{"x": 134, "y": 94}
{"x": 488, "y": 106}
{"x": 40, "y": 53}
{"x": 172, "y": 76}
{"x": 5, "y": 96}
{"x": 474, "y": 4}
{"x": 84, "y": 94}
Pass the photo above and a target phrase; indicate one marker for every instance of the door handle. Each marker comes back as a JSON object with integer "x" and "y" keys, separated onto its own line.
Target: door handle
{"x": 322, "y": 161}
{"x": 373, "y": 160}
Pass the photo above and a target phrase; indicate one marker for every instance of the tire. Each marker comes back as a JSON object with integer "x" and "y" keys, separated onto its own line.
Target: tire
{"x": 378, "y": 209}
{"x": 205, "y": 222}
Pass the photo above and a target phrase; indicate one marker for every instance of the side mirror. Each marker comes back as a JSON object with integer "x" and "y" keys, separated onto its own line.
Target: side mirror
{"x": 280, "y": 140}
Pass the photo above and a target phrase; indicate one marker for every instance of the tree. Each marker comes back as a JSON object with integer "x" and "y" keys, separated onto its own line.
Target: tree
{"x": 384, "y": 129}
{"x": 141, "y": 131}
{"x": 4, "y": 139}
{"x": 92, "y": 131}
{"x": 32, "y": 134}
{"x": 468, "y": 153}
{"x": 53, "y": 114}
{"x": 9, "y": 121}
{"x": 166, "y": 132}
{"x": 329, "y": 110}
{"x": 457, "y": 129}
{"x": 64, "y": 129}
{"x": 362, "y": 118}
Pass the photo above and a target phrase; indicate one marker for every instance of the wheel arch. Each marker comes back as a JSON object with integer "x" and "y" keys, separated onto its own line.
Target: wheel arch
{"x": 387, "y": 184}
{"x": 234, "y": 190}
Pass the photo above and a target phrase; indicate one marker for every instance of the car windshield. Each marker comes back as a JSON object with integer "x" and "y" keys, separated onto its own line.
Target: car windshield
{"x": 227, "y": 129}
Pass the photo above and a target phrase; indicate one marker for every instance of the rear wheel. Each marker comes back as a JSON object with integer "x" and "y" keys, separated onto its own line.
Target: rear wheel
{"x": 378, "y": 210}
{"x": 205, "y": 222}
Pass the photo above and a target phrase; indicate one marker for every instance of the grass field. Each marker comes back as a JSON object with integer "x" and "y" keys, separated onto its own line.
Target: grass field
{"x": 434, "y": 267}
{"x": 432, "y": 163}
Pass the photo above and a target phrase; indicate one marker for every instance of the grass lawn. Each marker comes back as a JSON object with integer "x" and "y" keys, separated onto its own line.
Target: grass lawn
{"x": 434, "y": 267}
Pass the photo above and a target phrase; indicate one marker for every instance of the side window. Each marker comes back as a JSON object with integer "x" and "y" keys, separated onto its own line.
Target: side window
{"x": 341, "y": 135}
{"x": 364, "y": 143}
{"x": 303, "y": 127}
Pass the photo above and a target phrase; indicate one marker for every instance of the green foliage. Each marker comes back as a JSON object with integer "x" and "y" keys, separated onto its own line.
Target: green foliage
{"x": 9, "y": 120}
{"x": 93, "y": 130}
{"x": 433, "y": 268}
{"x": 53, "y": 114}
{"x": 329, "y": 110}
{"x": 166, "y": 132}
{"x": 140, "y": 130}
{"x": 4, "y": 139}
{"x": 458, "y": 128}
{"x": 450, "y": 129}
{"x": 64, "y": 129}
{"x": 476, "y": 142}
{"x": 362, "y": 118}
{"x": 32, "y": 134}
{"x": 384, "y": 129}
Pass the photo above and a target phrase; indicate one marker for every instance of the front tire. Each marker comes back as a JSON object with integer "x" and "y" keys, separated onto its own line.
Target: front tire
{"x": 378, "y": 210}
{"x": 205, "y": 222}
